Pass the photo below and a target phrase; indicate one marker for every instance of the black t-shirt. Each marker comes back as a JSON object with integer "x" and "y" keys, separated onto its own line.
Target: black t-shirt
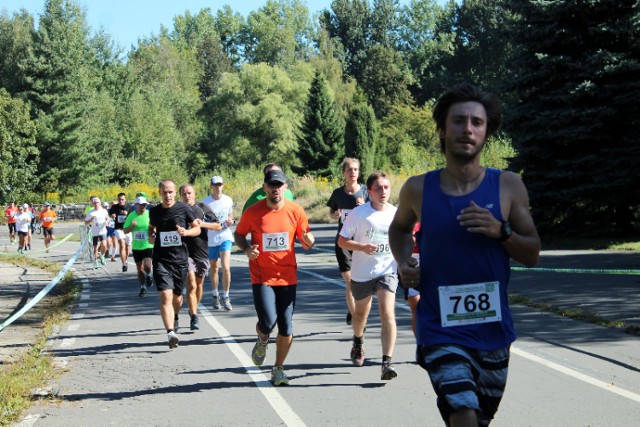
{"x": 345, "y": 202}
{"x": 198, "y": 246}
{"x": 170, "y": 246}
{"x": 121, "y": 213}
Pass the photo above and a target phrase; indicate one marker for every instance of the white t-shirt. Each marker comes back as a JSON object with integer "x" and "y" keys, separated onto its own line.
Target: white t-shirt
{"x": 23, "y": 221}
{"x": 99, "y": 220}
{"x": 366, "y": 225}
{"x": 221, "y": 207}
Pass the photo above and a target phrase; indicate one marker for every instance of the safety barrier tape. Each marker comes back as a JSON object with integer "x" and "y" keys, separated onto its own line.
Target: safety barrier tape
{"x": 44, "y": 291}
{"x": 58, "y": 242}
{"x": 576, "y": 270}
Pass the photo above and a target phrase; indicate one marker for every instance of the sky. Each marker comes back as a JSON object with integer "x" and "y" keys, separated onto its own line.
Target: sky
{"x": 128, "y": 20}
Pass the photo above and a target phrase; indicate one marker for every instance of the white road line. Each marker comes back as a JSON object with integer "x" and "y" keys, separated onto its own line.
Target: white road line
{"x": 275, "y": 399}
{"x": 577, "y": 375}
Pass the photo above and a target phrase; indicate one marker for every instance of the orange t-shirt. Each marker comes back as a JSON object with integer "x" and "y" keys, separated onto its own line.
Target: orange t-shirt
{"x": 47, "y": 218}
{"x": 11, "y": 214}
{"x": 274, "y": 231}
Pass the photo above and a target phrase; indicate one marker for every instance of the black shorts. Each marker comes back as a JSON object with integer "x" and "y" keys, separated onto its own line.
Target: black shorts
{"x": 344, "y": 257}
{"x": 47, "y": 231}
{"x": 12, "y": 227}
{"x": 170, "y": 276}
{"x": 99, "y": 238}
{"x": 23, "y": 233}
{"x": 140, "y": 255}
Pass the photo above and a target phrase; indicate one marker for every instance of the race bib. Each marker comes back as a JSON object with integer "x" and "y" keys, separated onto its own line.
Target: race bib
{"x": 170, "y": 238}
{"x": 381, "y": 240}
{"x": 140, "y": 235}
{"x": 344, "y": 213}
{"x": 110, "y": 223}
{"x": 47, "y": 219}
{"x": 470, "y": 304}
{"x": 121, "y": 218}
{"x": 273, "y": 242}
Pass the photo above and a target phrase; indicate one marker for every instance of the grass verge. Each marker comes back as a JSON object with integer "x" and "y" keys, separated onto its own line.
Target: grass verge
{"x": 575, "y": 314}
{"x": 33, "y": 368}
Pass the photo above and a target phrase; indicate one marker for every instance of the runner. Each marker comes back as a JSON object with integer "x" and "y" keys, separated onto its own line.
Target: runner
{"x": 97, "y": 218}
{"x": 366, "y": 233}
{"x": 274, "y": 223}
{"x": 119, "y": 213}
{"x": 342, "y": 201}
{"x": 23, "y": 225}
{"x": 112, "y": 243}
{"x": 220, "y": 243}
{"x": 32, "y": 230}
{"x": 47, "y": 218}
{"x": 137, "y": 223}
{"x": 167, "y": 229}
{"x": 198, "y": 251}
{"x": 473, "y": 220}
{"x": 10, "y": 214}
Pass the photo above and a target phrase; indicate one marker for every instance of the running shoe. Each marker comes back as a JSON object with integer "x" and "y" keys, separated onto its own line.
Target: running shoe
{"x": 278, "y": 377}
{"x": 216, "y": 303}
{"x": 173, "y": 339}
{"x": 226, "y": 303}
{"x": 148, "y": 281}
{"x": 195, "y": 324}
{"x": 348, "y": 317}
{"x": 125, "y": 267}
{"x": 143, "y": 291}
{"x": 102, "y": 260}
{"x": 113, "y": 259}
{"x": 388, "y": 372}
{"x": 357, "y": 354}
{"x": 259, "y": 352}
{"x": 29, "y": 246}
{"x": 97, "y": 265}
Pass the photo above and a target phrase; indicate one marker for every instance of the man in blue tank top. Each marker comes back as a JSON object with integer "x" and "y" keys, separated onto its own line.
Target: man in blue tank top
{"x": 473, "y": 220}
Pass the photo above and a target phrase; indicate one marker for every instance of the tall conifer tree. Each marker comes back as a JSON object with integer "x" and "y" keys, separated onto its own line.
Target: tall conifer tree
{"x": 321, "y": 138}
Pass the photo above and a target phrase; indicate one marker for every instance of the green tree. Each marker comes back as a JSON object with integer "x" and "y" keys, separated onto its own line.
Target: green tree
{"x": 17, "y": 148}
{"x": 574, "y": 114}
{"x": 254, "y": 115}
{"x": 279, "y": 33}
{"x": 361, "y": 134}
{"x": 16, "y": 41}
{"x": 321, "y": 136}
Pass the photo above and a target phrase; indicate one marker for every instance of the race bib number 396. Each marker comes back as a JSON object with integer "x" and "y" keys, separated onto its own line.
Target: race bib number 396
{"x": 470, "y": 304}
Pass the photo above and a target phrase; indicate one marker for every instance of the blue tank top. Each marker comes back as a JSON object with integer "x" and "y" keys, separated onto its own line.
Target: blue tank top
{"x": 450, "y": 255}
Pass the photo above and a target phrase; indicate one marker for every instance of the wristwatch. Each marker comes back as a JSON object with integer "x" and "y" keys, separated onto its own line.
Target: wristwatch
{"x": 505, "y": 231}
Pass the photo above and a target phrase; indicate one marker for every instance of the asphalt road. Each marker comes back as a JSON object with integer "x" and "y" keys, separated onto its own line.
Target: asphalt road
{"x": 120, "y": 371}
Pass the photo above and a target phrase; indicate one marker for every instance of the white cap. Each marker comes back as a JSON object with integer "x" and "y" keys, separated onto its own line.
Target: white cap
{"x": 105, "y": 204}
{"x": 141, "y": 201}
{"x": 217, "y": 180}
{"x": 26, "y": 206}
{"x": 95, "y": 200}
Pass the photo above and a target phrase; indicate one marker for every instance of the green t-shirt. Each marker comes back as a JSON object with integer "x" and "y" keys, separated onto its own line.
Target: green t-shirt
{"x": 139, "y": 232}
{"x": 259, "y": 194}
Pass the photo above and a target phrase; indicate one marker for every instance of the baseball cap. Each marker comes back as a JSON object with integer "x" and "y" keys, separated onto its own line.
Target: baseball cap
{"x": 26, "y": 206}
{"x": 216, "y": 180}
{"x": 143, "y": 194}
{"x": 105, "y": 204}
{"x": 141, "y": 201}
{"x": 95, "y": 200}
{"x": 47, "y": 204}
{"x": 275, "y": 175}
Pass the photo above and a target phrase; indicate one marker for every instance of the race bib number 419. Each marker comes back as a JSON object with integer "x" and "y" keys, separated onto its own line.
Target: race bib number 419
{"x": 470, "y": 304}
{"x": 170, "y": 238}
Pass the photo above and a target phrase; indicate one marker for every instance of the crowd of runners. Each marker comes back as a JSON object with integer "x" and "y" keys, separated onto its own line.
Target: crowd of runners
{"x": 447, "y": 244}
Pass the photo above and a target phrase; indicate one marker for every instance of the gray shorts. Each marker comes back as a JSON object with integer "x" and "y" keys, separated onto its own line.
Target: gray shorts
{"x": 362, "y": 290}
{"x": 199, "y": 266}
